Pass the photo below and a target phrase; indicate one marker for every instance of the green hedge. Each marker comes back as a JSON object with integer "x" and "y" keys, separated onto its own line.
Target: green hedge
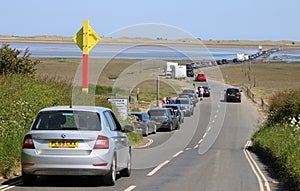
{"x": 278, "y": 142}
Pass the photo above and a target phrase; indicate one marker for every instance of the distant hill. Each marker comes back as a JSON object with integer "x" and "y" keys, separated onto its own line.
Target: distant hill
{"x": 178, "y": 42}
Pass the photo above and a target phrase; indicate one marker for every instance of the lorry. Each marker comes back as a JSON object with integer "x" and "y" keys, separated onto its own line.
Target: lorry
{"x": 168, "y": 70}
{"x": 178, "y": 72}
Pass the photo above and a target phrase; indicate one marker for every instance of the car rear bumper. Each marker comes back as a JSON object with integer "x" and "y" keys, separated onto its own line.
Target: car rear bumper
{"x": 93, "y": 164}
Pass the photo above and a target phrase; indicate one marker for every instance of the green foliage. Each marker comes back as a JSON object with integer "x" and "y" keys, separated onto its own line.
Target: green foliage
{"x": 284, "y": 105}
{"x": 278, "y": 142}
{"x": 12, "y": 63}
{"x": 21, "y": 97}
{"x": 279, "y": 146}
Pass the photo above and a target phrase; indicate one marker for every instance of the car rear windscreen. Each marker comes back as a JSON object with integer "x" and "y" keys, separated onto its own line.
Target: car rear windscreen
{"x": 67, "y": 120}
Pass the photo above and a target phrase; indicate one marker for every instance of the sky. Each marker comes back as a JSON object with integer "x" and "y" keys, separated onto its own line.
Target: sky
{"x": 211, "y": 19}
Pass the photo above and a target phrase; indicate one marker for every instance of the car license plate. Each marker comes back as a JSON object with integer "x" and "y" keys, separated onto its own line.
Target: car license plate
{"x": 232, "y": 94}
{"x": 158, "y": 122}
{"x": 63, "y": 144}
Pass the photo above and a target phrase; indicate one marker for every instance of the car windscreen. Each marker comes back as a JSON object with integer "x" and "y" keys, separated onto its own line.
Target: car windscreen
{"x": 67, "y": 120}
{"x": 157, "y": 112}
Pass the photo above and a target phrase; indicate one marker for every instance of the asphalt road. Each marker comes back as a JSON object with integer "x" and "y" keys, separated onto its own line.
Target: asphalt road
{"x": 207, "y": 153}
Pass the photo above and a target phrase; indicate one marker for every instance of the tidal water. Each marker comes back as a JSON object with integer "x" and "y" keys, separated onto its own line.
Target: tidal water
{"x": 151, "y": 52}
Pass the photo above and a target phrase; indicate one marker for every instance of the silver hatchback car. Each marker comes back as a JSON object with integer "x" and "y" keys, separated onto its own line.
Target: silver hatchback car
{"x": 76, "y": 140}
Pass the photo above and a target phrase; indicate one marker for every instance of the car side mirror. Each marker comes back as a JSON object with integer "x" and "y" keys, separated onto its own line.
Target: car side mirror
{"x": 241, "y": 90}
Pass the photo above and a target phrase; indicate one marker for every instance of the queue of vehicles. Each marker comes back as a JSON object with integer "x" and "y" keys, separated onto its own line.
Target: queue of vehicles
{"x": 89, "y": 140}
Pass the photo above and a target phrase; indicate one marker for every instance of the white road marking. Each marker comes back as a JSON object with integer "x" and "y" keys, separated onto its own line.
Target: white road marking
{"x": 157, "y": 168}
{"x": 130, "y": 188}
{"x": 150, "y": 141}
{"x": 177, "y": 154}
{"x": 216, "y": 116}
{"x": 255, "y": 168}
{"x": 188, "y": 149}
{"x": 213, "y": 121}
{"x": 204, "y": 134}
{"x": 196, "y": 146}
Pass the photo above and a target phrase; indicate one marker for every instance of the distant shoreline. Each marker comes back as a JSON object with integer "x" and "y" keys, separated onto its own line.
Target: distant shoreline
{"x": 180, "y": 42}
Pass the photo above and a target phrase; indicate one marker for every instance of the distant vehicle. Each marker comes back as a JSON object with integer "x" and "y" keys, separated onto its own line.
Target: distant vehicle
{"x": 75, "y": 141}
{"x": 214, "y": 63}
{"x": 185, "y": 105}
{"x": 164, "y": 118}
{"x": 168, "y": 69}
{"x": 193, "y": 97}
{"x": 190, "y": 70}
{"x": 177, "y": 110}
{"x": 179, "y": 72}
{"x": 200, "y": 78}
{"x": 224, "y": 61}
{"x": 143, "y": 123}
{"x": 233, "y": 94}
{"x": 191, "y": 91}
{"x": 206, "y": 91}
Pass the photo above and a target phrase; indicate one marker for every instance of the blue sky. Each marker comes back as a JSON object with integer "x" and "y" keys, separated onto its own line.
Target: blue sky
{"x": 210, "y": 19}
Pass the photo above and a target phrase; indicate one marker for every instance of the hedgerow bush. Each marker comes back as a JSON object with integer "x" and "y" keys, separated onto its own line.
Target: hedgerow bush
{"x": 283, "y": 106}
{"x": 21, "y": 97}
{"x": 278, "y": 141}
{"x": 11, "y": 62}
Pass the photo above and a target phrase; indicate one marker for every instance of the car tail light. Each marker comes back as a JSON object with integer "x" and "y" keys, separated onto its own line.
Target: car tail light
{"x": 238, "y": 94}
{"x": 102, "y": 142}
{"x": 28, "y": 142}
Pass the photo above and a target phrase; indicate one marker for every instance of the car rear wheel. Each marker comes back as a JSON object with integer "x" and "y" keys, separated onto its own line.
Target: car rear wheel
{"x": 110, "y": 178}
{"x": 171, "y": 127}
{"x": 28, "y": 180}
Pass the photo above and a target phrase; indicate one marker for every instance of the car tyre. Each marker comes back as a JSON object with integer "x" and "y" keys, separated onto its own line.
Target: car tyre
{"x": 28, "y": 180}
{"x": 178, "y": 126}
{"x": 127, "y": 171}
{"x": 171, "y": 127}
{"x": 154, "y": 130}
{"x": 147, "y": 132}
{"x": 110, "y": 178}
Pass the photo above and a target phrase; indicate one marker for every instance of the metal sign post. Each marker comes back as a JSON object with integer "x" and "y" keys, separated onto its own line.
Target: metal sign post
{"x": 86, "y": 38}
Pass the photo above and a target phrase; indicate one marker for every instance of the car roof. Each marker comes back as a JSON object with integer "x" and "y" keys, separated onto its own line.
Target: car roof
{"x": 76, "y": 108}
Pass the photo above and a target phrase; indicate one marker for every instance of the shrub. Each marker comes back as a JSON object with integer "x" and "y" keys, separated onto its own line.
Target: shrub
{"x": 283, "y": 106}
{"x": 12, "y": 63}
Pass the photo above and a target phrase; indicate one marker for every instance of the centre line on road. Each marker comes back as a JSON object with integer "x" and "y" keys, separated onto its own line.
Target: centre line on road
{"x": 196, "y": 146}
{"x": 157, "y": 168}
{"x": 200, "y": 141}
{"x": 177, "y": 154}
{"x": 130, "y": 188}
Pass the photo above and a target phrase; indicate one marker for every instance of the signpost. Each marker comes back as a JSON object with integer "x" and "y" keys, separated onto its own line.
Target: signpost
{"x": 122, "y": 106}
{"x": 86, "y": 38}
